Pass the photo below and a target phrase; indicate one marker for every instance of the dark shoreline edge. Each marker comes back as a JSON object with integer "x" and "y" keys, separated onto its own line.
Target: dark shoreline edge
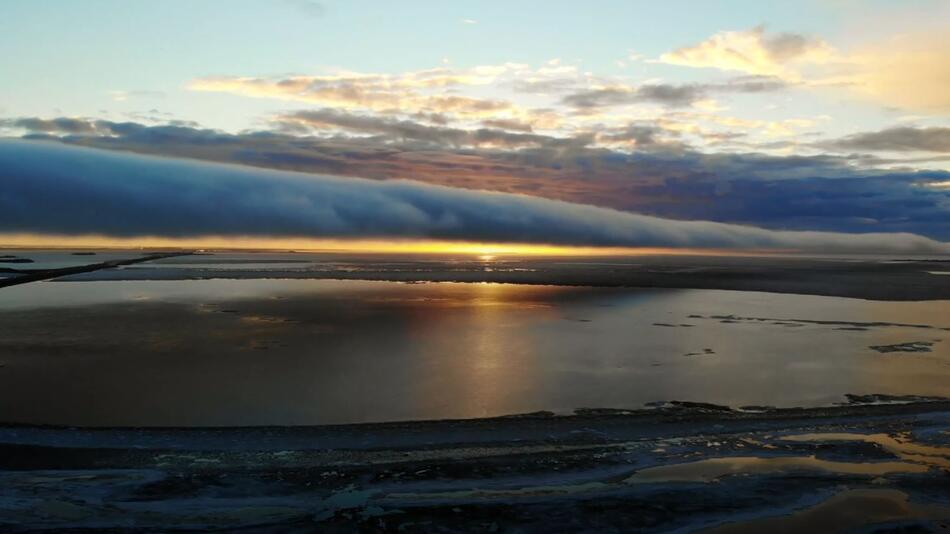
{"x": 388, "y": 277}
{"x": 671, "y": 410}
{"x": 879, "y": 282}
{"x": 597, "y": 425}
{"x": 895, "y": 279}
{"x": 25, "y": 276}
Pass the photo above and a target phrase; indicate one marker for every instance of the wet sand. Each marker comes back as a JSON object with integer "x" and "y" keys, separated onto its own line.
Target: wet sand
{"x": 685, "y": 467}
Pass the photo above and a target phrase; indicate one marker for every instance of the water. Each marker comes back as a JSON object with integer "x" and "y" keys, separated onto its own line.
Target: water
{"x": 58, "y": 259}
{"x": 260, "y": 352}
{"x": 852, "y": 510}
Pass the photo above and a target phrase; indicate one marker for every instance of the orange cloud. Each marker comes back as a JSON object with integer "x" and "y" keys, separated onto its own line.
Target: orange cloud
{"x": 410, "y": 92}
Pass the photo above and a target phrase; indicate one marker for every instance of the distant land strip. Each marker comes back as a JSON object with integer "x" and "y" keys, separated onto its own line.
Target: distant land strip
{"x": 46, "y": 274}
{"x": 871, "y": 281}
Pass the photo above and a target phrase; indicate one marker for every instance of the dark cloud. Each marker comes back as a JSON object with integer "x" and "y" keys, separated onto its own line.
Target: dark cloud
{"x": 660, "y": 177}
{"x": 593, "y": 98}
{"x": 508, "y": 124}
{"x": 900, "y": 139}
{"x": 669, "y": 94}
{"x": 58, "y": 125}
{"x": 405, "y": 130}
{"x": 666, "y": 94}
{"x": 55, "y": 189}
{"x": 751, "y": 84}
{"x": 797, "y": 192}
{"x": 433, "y": 118}
{"x": 785, "y": 46}
{"x": 643, "y": 135}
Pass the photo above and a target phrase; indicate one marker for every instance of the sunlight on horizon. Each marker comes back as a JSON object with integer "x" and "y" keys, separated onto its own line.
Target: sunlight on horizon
{"x": 483, "y": 251}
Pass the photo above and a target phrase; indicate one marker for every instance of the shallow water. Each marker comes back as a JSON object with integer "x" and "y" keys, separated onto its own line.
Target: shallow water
{"x": 902, "y": 446}
{"x": 58, "y": 259}
{"x": 847, "y": 512}
{"x": 254, "y": 352}
{"x": 714, "y": 468}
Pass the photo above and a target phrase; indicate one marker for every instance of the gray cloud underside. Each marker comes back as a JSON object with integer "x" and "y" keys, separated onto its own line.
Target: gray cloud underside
{"x": 670, "y": 95}
{"x": 901, "y": 139}
{"x": 51, "y": 188}
{"x": 661, "y": 178}
{"x": 406, "y": 130}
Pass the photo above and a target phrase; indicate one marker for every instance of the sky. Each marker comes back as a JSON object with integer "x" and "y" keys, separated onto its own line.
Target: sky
{"x": 619, "y": 121}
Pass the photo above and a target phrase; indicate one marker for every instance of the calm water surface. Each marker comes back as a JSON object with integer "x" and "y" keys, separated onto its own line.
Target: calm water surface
{"x": 252, "y": 352}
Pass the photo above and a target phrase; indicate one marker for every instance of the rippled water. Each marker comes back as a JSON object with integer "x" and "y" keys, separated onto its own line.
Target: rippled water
{"x": 249, "y": 352}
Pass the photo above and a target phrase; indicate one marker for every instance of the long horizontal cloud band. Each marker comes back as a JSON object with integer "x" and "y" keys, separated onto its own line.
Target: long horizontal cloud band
{"x": 852, "y": 194}
{"x": 55, "y": 189}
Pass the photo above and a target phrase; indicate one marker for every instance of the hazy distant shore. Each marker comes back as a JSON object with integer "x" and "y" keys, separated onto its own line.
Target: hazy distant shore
{"x": 887, "y": 281}
{"x": 854, "y": 277}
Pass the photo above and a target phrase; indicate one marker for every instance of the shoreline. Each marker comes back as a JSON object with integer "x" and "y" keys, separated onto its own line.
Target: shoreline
{"x": 901, "y": 281}
{"x": 871, "y": 295}
{"x": 878, "y": 279}
{"x": 539, "y": 426}
{"x": 25, "y": 276}
{"x": 700, "y": 468}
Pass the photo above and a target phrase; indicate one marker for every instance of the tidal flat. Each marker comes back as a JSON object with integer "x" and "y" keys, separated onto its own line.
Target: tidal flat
{"x": 282, "y": 392}
{"x": 677, "y": 468}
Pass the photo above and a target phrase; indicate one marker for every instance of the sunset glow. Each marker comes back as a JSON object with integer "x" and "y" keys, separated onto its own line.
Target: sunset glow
{"x": 461, "y": 124}
{"x": 429, "y": 266}
{"x": 484, "y": 251}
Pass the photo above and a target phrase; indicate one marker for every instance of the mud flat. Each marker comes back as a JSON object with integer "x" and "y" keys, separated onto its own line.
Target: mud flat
{"x": 682, "y": 466}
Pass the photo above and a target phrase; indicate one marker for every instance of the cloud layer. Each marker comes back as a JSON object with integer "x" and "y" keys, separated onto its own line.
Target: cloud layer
{"x": 753, "y": 51}
{"x": 661, "y": 177}
{"x": 909, "y": 70}
{"x": 898, "y": 139}
{"x": 50, "y": 188}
